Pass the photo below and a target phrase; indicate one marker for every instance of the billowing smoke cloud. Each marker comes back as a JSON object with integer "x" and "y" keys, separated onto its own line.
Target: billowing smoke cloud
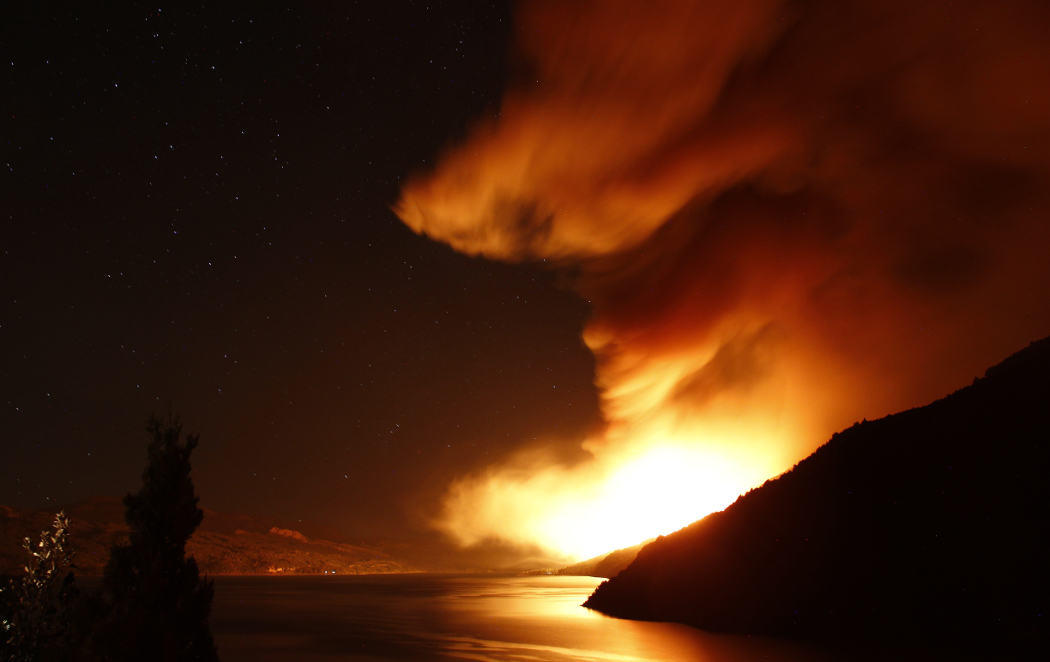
{"x": 787, "y": 216}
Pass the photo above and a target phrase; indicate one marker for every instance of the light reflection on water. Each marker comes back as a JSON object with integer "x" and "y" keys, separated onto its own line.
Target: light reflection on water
{"x": 428, "y": 617}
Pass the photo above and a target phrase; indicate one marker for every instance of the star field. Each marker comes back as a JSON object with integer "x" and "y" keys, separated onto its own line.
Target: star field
{"x": 197, "y": 220}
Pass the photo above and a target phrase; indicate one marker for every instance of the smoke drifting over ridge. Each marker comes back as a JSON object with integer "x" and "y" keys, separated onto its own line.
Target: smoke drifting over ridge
{"x": 786, "y": 215}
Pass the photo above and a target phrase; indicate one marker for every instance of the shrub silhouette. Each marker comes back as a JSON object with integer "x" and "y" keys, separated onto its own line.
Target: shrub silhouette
{"x": 154, "y": 604}
{"x": 35, "y": 619}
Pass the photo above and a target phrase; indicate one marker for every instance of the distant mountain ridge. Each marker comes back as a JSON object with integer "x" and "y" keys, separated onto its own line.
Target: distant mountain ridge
{"x": 929, "y": 522}
{"x": 224, "y": 544}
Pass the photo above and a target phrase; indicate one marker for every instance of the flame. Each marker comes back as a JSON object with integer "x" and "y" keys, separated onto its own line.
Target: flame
{"x": 628, "y": 500}
{"x": 785, "y": 216}
{"x": 657, "y": 468}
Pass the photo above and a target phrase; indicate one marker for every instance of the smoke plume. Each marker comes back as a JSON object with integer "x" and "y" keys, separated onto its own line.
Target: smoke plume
{"x": 787, "y": 216}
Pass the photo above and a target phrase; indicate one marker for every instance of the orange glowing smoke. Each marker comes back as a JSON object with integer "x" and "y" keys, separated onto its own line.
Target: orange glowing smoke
{"x": 787, "y": 216}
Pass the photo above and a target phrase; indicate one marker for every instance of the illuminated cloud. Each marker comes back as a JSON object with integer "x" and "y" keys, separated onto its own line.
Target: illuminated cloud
{"x": 787, "y": 216}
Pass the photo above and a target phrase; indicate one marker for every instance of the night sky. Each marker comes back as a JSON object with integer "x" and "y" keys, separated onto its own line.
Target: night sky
{"x": 197, "y": 205}
{"x": 556, "y": 278}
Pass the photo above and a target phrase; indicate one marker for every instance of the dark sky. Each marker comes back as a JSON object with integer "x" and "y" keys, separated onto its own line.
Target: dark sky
{"x": 197, "y": 219}
{"x": 767, "y": 220}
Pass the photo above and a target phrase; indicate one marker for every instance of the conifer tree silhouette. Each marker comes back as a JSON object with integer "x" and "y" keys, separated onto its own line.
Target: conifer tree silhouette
{"x": 156, "y": 604}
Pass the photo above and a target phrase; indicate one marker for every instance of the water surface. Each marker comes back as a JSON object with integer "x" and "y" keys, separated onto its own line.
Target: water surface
{"x": 438, "y": 617}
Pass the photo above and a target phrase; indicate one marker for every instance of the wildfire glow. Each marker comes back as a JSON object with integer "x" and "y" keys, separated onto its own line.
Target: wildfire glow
{"x": 654, "y": 494}
{"x": 632, "y": 489}
{"x": 739, "y": 189}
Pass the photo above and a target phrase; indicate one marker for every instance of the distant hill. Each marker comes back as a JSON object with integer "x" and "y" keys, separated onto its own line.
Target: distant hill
{"x": 928, "y": 523}
{"x": 605, "y": 565}
{"x": 223, "y": 545}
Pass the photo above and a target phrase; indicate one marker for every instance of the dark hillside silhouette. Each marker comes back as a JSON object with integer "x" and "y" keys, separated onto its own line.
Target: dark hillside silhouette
{"x": 605, "y": 565}
{"x": 932, "y": 522}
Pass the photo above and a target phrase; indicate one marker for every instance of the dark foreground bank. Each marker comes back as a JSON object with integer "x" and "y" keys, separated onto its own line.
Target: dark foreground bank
{"x": 926, "y": 525}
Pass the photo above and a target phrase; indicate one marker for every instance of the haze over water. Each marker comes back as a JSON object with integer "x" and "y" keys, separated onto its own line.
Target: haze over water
{"x": 425, "y": 617}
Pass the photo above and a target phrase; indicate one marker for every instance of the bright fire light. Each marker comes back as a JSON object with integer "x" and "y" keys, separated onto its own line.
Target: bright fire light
{"x": 656, "y": 493}
{"x": 620, "y": 498}
{"x": 660, "y": 464}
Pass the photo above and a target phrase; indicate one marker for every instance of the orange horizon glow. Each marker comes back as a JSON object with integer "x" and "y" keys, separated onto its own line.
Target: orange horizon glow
{"x": 769, "y": 252}
{"x": 658, "y": 492}
{"x": 638, "y": 483}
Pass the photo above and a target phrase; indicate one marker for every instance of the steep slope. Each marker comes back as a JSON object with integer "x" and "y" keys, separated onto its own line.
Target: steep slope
{"x": 604, "y": 565}
{"x": 928, "y": 523}
{"x": 224, "y": 544}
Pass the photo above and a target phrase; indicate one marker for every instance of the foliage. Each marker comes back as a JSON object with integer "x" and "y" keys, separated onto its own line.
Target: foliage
{"x": 153, "y": 604}
{"x": 36, "y": 617}
{"x": 156, "y": 605}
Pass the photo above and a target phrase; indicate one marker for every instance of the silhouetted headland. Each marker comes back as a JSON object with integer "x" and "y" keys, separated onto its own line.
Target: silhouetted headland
{"x": 930, "y": 523}
{"x": 606, "y": 565}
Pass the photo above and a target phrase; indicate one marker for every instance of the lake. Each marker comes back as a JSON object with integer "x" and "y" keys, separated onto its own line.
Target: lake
{"x": 440, "y": 617}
